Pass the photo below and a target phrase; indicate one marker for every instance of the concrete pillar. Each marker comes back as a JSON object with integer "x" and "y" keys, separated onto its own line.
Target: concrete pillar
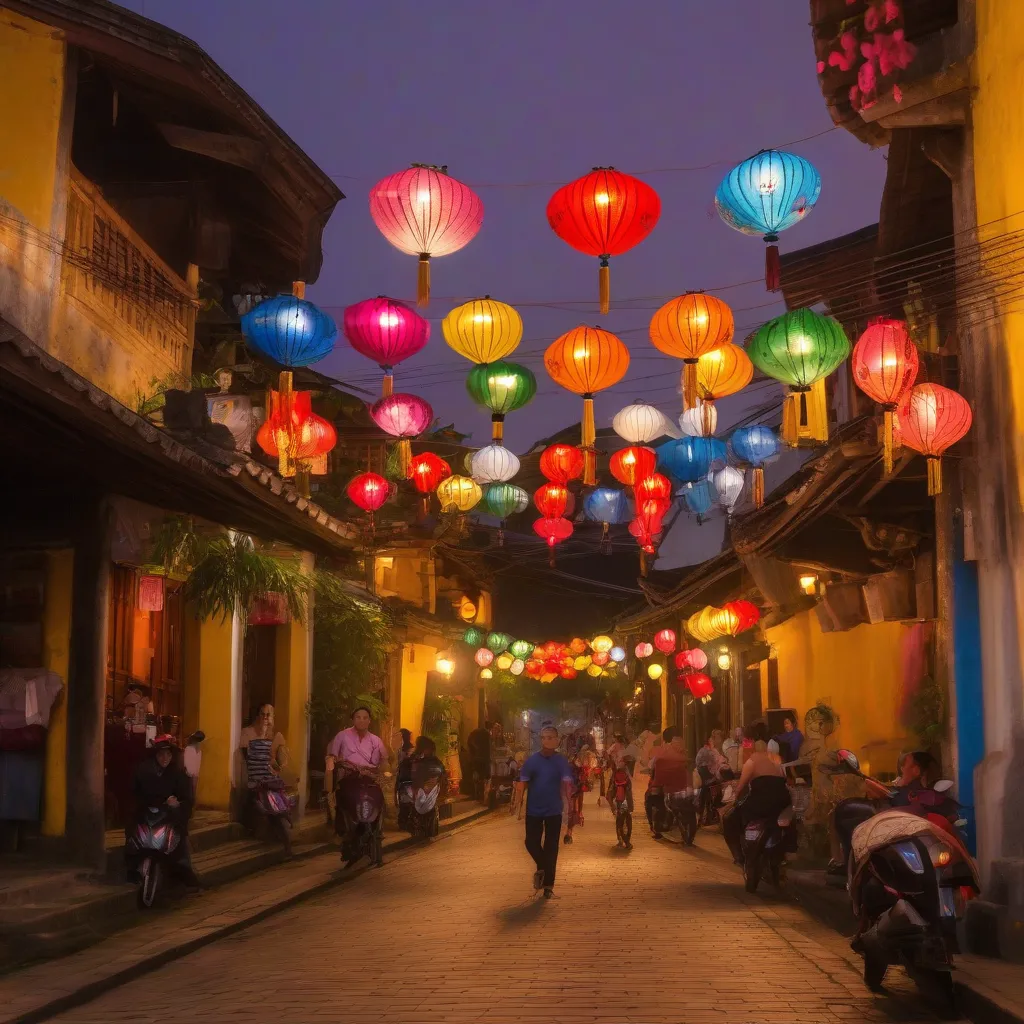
{"x": 56, "y": 657}
{"x": 292, "y": 689}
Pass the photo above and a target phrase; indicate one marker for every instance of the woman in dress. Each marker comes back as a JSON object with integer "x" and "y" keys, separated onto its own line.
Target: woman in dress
{"x": 264, "y": 755}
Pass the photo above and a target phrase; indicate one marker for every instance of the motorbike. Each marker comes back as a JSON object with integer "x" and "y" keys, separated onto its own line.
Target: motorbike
{"x": 152, "y": 842}
{"x": 763, "y": 844}
{"x": 360, "y": 819}
{"x": 504, "y": 772}
{"x": 679, "y": 810}
{"x": 271, "y": 802}
{"x": 419, "y": 796}
{"x": 909, "y": 877}
{"x": 709, "y": 796}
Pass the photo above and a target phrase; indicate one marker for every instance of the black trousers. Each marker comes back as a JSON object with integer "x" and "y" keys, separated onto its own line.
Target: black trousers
{"x": 544, "y": 854}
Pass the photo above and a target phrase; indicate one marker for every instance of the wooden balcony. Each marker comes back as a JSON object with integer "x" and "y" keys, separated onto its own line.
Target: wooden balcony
{"x": 120, "y": 283}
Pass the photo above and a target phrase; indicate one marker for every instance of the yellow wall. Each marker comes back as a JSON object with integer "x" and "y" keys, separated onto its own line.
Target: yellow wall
{"x": 859, "y": 672}
{"x": 214, "y": 660}
{"x": 417, "y": 661}
{"x": 56, "y": 657}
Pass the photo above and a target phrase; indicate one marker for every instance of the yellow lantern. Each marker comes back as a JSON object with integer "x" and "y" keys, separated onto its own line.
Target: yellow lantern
{"x": 602, "y": 643}
{"x": 504, "y": 661}
{"x": 458, "y": 493}
{"x": 483, "y": 330}
{"x": 445, "y": 664}
{"x": 721, "y": 372}
{"x": 486, "y": 673}
{"x": 581, "y": 662}
{"x": 594, "y": 670}
{"x": 655, "y": 671}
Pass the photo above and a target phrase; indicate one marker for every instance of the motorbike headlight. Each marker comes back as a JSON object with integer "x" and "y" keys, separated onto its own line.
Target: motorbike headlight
{"x": 911, "y": 856}
{"x": 941, "y": 856}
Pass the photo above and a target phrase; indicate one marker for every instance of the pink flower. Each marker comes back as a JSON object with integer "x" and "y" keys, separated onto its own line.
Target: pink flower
{"x": 821, "y": 67}
{"x": 892, "y": 10}
{"x": 897, "y": 94}
{"x": 867, "y": 79}
{"x": 872, "y": 19}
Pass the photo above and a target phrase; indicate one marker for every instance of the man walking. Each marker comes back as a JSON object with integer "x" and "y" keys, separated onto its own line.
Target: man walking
{"x": 547, "y": 777}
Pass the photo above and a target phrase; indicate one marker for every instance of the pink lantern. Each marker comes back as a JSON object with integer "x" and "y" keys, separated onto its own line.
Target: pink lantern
{"x": 600, "y": 658}
{"x": 151, "y": 594}
{"x": 403, "y": 416}
{"x": 386, "y": 331}
{"x": 424, "y": 212}
{"x": 484, "y": 656}
{"x": 269, "y": 610}
{"x": 643, "y": 649}
{"x": 665, "y": 640}
{"x": 693, "y": 658}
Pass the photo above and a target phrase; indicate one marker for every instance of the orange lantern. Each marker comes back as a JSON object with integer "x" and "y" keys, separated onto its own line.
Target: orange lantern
{"x": 721, "y": 372}
{"x": 688, "y": 326}
{"x": 630, "y": 465}
{"x": 553, "y": 500}
{"x": 586, "y": 360}
{"x": 561, "y": 463}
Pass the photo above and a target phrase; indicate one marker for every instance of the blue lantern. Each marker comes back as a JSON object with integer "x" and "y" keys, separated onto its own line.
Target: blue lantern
{"x": 607, "y": 506}
{"x": 690, "y": 458}
{"x": 755, "y": 445}
{"x": 766, "y": 194}
{"x": 699, "y": 497}
{"x": 290, "y": 331}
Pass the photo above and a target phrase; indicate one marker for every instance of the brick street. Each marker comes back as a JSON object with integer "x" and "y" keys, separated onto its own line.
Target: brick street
{"x": 454, "y": 933}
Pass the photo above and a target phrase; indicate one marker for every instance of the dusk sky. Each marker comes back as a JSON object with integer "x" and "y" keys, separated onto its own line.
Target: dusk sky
{"x": 516, "y": 99}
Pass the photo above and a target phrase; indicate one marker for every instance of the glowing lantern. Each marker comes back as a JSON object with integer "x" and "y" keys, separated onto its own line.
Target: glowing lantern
{"x": 517, "y": 667}
{"x": 386, "y": 331}
{"x": 931, "y": 419}
{"x": 689, "y": 459}
{"x": 553, "y": 531}
{"x": 600, "y": 658}
{"x": 582, "y": 662}
{"x": 293, "y": 433}
{"x": 485, "y": 674}
{"x": 473, "y": 637}
{"x": 700, "y": 421}
{"x": 521, "y": 648}
{"x": 595, "y": 671}
{"x": 629, "y": 465}
{"x": 607, "y": 506}
{"x": 647, "y": 526}
{"x": 884, "y": 365}
{"x": 654, "y": 488}
{"x": 728, "y": 484}
{"x": 458, "y": 494}
{"x": 553, "y": 500}
{"x": 561, "y": 463}
{"x": 498, "y": 642}
{"x": 483, "y": 330}
{"x": 655, "y": 671}
{"x": 467, "y": 610}
{"x": 568, "y": 673}
{"x": 402, "y": 416}
{"x": 643, "y": 650}
{"x": 369, "y": 491}
{"x": 586, "y": 360}
{"x": 700, "y": 686}
{"x": 602, "y": 643}
{"x": 605, "y": 213}
{"x": 504, "y": 661}
{"x": 151, "y": 594}
{"x": 289, "y": 330}
{"x": 699, "y": 498}
{"x": 483, "y": 657}
{"x": 800, "y": 348}
{"x": 445, "y": 664}
{"x": 692, "y": 658}
{"x": 424, "y": 212}
{"x": 766, "y": 194}
{"x": 721, "y": 372}
{"x": 755, "y": 445}
{"x": 494, "y": 465}
{"x": 746, "y": 614}
{"x": 665, "y": 640}
{"x": 504, "y": 500}
{"x": 640, "y": 423}
{"x": 686, "y": 328}
{"x": 501, "y": 387}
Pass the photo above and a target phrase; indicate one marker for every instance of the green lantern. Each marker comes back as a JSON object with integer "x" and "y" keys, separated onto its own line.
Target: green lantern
{"x": 501, "y": 387}
{"x": 473, "y": 637}
{"x": 498, "y": 642}
{"x": 504, "y": 500}
{"x": 800, "y": 349}
{"x": 521, "y": 649}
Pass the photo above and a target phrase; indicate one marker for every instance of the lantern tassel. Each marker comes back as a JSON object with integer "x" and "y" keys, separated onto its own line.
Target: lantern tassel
{"x": 643, "y": 562}
{"x": 772, "y": 265}
{"x": 604, "y": 285}
{"x": 706, "y": 412}
{"x": 551, "y": 553}
{"x": 605, "y": 547}
{"x": 501, "y": 534}
{"x": 887, "y": 440}
{"x": 405, "y": 458}
{"x": 805, "y": 416}
{"x": 302, "y": 477}
{"x": 758, "y": 487}
{"x": 498, "y": 427}
{"x": 423, "y": 281}
{"x": 934, "y": 477}
{"x": 689, "y": 384}
{"x": 387, "y": 387}
{"x": 588, "y": 436}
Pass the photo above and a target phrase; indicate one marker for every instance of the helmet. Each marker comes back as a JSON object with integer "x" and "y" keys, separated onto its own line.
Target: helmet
{"x": 165, "y": 741}
{"x": 773, "y": 746}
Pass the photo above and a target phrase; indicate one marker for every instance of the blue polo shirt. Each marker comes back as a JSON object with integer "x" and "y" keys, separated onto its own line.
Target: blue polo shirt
{"x": 545, "y": 776}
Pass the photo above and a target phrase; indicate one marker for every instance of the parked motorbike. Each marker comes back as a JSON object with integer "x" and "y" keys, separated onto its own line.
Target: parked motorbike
{"x": 504, "y": 772}
{"x": 151, "y": 843}
{"x": 271, "y": 801}
{"x": 910, "y": 878}
{"x": 360, "y": 819}
{"x": 709, "y": 796}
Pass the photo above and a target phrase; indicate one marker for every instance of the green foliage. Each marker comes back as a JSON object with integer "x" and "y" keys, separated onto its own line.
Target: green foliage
{"x": 146, "y": 405}
{"x": 928, "y": 710}
{"x": 441, "y": 715}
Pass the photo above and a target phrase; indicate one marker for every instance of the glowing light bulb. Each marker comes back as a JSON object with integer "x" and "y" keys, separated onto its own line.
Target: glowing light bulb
{"x": 766, "y": 184}
{"x": 602, "y": 199}
{"x": 583, "y": 352}
{"x": 890, "y": 363}
{"x": 482, "y": 318}
{"x": 389, "y": 320}
{"x": 800, "y": 345}
{"x": 504, "y": 382}
{"x": 423, "y": 197}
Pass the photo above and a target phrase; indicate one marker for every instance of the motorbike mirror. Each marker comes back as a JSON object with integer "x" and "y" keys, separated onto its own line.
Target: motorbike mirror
{"x": 849, "y": 758}
{"x": 943, "y": 786}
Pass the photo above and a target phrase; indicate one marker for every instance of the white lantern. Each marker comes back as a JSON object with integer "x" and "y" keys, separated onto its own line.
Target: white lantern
{"x": 640, "y": 423}
{"x": 517, "y": 666}
{"x": 728, "y": 484}
{"x": 699, "y": 421}
{"x": 494, "y": 465}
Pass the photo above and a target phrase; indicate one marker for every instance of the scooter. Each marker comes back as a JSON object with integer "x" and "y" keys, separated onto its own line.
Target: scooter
{"x": 682, "y": 810}
{"x": 152, "y": 842}
{"x": 360, "y": 819}
{"x": 271, "y": 801}
{"x": 910, "y": 878}
{"x": 709, "y": 796}
{"x": 502, "y": 783}
{"x": 428, "y": 777}
{"x": 765, "y": 845}
{"x": 619, "y": 800}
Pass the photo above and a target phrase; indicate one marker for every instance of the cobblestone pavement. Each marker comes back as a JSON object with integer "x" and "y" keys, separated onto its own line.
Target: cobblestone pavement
{"x": 455, "y": 934}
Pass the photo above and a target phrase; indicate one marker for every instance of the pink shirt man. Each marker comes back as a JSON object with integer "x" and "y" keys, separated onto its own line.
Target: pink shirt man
{"x": 366, "y": 751}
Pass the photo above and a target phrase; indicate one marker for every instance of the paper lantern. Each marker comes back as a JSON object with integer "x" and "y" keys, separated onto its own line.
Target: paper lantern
{"x": 485, "y": 674}
{"x": 746, "y": 615}
{"x": 151, "y": 594}
{"x": 643, "y": 650}
{"x": 655, "y": 671}
{"x": 647, "y": 526}
{"x": 473, "y": 637}
{"x": 628, "y": 465}
{"x": 689, "y": 459}
{"x": 369, "y": 491}
{"x": 721, "y": 372}
{"x": 884, "y": 365}
{"x": 483, "y": 657}
{"x": 504, "y": 500}
{"x": 693, "y": 658}
{"x": 595, "y": 671}
{"x": 289, "y": 330}
{"x": 578, "y": 645}
{"x": 553, "y": 500}
{"x": 686, "y": 328}
{"x": 728, "y": 484}
{"x": 654, "y": 488}
{"x": 602, "y": 644}
{"x": 617, "y": 654}
{"x": 586, "y": 360}
{"x": 600, "y": 658}
{"x": 521, "y": 648}
{"x": 402, "y": 416}
{"x": 295, "y": 435}
{"x": 755, "y": 446}
{"x": 699, "y": 497}
{"x": 386, "y": 331}
{"x": 665, "y": 640}
{"x": 425, "y": 212}
{"x": 605, "y": 213}
{"x": 800, "y": 348}
{"x": 607, "y": 506}
{"x": 767, "y": 194}
{"x": 501, "y": 387}
{"x": 517, "y": 666}
{"x": 561, "y": 463}
{"x": 483, "y": 330}
{"x": 498, "y": 642}
{"x": 269, "y": 610}
{"x": 931, "y": 419}
{"x": 458, "y": 494}
{"x": 640, "y": 423}
{"x": 494, "y": 465}
{"x": 700, "y": 421}
{"x": 699, "y": 685}
{"x": 553, "y": 531}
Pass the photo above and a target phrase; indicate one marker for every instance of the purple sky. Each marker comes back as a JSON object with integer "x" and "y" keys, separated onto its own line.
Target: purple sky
{"x": 540, "y": 92}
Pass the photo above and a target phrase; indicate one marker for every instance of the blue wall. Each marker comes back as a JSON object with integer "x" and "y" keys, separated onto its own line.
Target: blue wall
{"x": 970, "y": 735}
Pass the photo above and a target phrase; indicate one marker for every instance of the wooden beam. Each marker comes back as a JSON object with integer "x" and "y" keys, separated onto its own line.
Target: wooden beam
{"x": 945, "y": 149}
{"x": 228, "y": 149}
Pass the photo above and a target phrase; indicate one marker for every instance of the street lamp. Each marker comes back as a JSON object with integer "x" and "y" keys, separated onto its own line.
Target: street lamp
{"x": 725, "y": 660}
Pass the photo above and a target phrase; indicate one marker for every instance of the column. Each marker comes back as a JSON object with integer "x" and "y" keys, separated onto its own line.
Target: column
{"x": 56, "y": 657}
{"x": 292, "y": 689}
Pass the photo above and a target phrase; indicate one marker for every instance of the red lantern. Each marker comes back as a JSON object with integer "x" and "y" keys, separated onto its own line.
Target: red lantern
{"x": 931, "y": 419}
{"x": 427, "y": 470}
{"x": 604, "y": 214}
{"x": 568, "y": 673}
{"x": 269, "y": 610}
{"x": 628, "y": 465}
{"x": 699, "y": 685}
{"x": 885, "y": 365}
{"x": 694, "y": 658}
{"x": 561, "y": 463}
{"x": 151, "y": 594}
{"x": 665, "y": 640}
{"x": 369, "y": 491}
{"x": 600, "y": 658}
{"x": 643, "y": 650}
{"x": 745, "y": 615}
{"x": 654, "y": 488}
{"x": 554, "y": 530}
{"x": 294, "y": 434}
{"x": 553, "y": 500}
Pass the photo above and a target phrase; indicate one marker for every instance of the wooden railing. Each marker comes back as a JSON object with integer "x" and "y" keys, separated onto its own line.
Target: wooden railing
{"x": 111, "y": 271}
